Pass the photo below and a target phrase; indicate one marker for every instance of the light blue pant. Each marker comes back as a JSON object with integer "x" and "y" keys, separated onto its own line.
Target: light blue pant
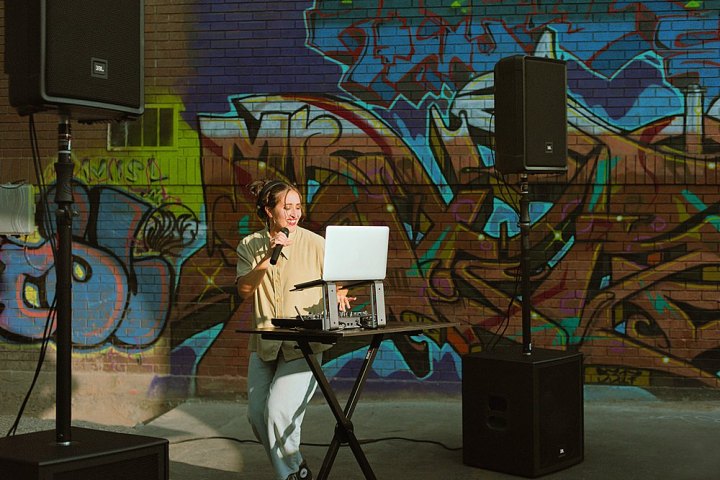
{"x": 278, "y": 394}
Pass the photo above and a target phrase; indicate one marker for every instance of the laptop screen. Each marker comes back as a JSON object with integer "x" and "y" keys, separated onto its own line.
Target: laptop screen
{"x": 355, "y": 253}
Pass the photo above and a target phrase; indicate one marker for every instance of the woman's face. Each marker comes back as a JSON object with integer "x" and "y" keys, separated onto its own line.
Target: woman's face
{"x": 287, "y": 212}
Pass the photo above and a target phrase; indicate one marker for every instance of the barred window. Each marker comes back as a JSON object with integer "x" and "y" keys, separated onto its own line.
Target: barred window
{"x": 154, "y": 129}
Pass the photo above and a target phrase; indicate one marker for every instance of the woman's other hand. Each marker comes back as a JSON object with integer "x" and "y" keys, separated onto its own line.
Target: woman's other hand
{"x": 344, "y": 300}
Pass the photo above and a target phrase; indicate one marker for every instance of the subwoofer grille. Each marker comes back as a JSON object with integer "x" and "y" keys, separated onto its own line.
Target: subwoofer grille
{"x": 560, "y": 422}
{"x": 140, "y": 468}
{"x": 92, "y": 455}
{"x": 522, "y": 414}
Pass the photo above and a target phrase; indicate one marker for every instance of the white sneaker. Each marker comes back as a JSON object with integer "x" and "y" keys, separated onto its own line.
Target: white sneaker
{"x": 304, "y": 473}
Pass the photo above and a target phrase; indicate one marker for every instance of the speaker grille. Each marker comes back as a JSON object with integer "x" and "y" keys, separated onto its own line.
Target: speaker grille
{"x": 82, "y": 34}
{"x": 84, "y": 57}
{"x": 545, "y": 115}
{"x": 559, "y": 388}
{"x": 530, "y": 115}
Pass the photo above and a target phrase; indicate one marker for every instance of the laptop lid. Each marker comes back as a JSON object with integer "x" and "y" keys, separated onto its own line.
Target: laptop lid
{"x": 355, "y": 252}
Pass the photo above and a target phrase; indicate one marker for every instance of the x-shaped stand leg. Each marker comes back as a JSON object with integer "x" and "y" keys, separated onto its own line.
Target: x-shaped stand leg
{"x": 344, "y": 429}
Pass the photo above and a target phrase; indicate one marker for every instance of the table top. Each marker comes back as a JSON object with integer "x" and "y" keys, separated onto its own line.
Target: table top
{"x": 332, "y": 336}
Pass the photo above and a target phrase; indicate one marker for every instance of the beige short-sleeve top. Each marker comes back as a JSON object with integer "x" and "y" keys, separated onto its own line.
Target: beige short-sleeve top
{"x": 300, "y": 262}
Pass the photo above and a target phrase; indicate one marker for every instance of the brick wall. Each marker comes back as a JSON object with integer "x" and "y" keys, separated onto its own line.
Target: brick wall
{"x": 384, "y": 115}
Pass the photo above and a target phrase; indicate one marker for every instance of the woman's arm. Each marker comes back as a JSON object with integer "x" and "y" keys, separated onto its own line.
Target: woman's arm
{"x": 247, "y": 284}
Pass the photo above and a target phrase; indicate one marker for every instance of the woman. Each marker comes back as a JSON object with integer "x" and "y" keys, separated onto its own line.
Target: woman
{"x": 280, "y": 383}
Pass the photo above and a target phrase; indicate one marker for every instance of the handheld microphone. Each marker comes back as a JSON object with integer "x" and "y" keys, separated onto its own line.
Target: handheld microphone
{"x": 278, "y": 248}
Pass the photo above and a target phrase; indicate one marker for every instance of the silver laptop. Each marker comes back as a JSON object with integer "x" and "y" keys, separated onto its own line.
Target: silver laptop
{"x": 353, "y": 253}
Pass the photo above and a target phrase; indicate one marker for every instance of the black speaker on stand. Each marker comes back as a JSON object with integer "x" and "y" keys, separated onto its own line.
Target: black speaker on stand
{"x": 70, "y": 56}
{"x": 522, "y": 409}
{"x": 530, "y": 115}
{"x": 84, "y": 57}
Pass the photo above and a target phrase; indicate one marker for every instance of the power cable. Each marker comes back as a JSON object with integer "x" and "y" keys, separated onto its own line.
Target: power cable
{"x": 506, "y": 192}
{"x": 324, "y": 445}
{"x": 47, "y": 330}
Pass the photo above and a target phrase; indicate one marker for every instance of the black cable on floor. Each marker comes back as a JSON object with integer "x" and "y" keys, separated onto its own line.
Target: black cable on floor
{"x": 325, "y": 445}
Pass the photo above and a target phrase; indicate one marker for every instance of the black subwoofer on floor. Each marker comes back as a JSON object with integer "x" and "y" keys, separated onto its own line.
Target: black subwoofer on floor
{"x": 522, "y": 414}
{"x": 530, "y": 115}
{"x": 92, "y": 455}
{"x": 82, "y": 57}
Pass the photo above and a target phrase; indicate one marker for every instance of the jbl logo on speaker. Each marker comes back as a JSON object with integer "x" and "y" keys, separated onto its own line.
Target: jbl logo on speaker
{"x": 99, "y": 68}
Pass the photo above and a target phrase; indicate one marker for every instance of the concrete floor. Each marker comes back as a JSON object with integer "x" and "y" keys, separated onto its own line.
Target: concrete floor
{"x": 638, "y": 437}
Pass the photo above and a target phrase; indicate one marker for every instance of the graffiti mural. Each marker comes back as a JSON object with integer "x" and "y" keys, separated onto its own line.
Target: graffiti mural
{"x": 124, "y": 256}
{"x": 383, "y": 113}
{"x": 415, "y": 91}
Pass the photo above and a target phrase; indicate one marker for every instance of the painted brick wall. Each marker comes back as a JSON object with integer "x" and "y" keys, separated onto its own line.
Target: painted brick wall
{"x": 382, "y": 114}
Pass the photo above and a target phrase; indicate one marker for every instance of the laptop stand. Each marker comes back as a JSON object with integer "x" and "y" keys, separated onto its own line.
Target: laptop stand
{"x": 332, "y": 319}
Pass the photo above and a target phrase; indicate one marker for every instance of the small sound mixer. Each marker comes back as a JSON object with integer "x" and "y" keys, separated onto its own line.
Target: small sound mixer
{"x": 348, "y": 319}
{"x": 295, "y": 322}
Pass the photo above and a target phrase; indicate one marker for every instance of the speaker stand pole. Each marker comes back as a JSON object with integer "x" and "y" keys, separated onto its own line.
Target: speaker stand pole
{"x": 34, "y": 456}
{"x": 525, "y": 264}
{"x": 63, "y": 272}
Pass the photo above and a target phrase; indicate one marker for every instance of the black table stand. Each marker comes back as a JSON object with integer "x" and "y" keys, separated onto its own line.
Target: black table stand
{"x": 344, "y": 432}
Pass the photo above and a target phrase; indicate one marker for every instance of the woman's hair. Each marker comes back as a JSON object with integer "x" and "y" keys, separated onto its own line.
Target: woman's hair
{"x": 267, "y": 194}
